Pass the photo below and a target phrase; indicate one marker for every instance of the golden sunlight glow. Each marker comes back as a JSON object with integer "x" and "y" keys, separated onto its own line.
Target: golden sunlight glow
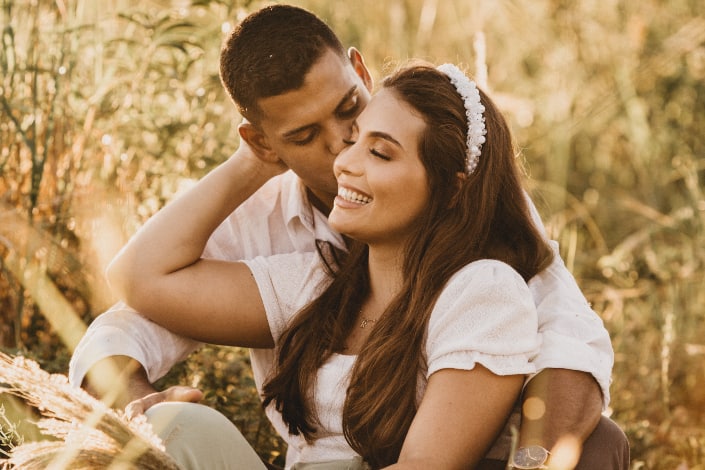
{"x": 565, "y": 454}
{"x": 534, "y": 408}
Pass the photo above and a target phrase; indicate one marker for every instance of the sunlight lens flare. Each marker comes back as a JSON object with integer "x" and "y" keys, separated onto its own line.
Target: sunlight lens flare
{"x": 565, "y": 454}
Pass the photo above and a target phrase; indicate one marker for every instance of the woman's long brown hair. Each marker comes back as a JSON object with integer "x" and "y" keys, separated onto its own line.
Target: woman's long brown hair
{"x": 484, "y": 215}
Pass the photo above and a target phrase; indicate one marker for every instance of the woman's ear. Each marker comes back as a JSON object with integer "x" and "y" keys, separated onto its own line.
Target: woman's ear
{"x": 254, "y": 138}
{"x": 361, "y": 70}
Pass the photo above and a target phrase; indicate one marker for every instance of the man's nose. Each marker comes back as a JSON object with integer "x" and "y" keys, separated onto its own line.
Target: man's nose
{"x": 338, "y": 134}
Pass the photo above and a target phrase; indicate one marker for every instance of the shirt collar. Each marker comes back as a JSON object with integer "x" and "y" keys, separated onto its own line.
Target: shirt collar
{"x": 298, "y": 206}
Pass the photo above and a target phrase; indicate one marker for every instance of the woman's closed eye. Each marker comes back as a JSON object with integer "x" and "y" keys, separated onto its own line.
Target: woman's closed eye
{"x": 372, "y": 150}
{"x": 352, "y": 140}
{"x": 379, "y": 154}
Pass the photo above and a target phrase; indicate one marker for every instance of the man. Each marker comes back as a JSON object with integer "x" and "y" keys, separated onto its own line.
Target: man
{"x": 300, "y": 92}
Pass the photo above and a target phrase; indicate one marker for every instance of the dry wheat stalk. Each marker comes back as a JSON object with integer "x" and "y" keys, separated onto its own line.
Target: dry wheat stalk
{"x": 87, "y": 433}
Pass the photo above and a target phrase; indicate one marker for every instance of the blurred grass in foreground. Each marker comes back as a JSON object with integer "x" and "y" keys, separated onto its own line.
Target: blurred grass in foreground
{"x": 106, "y": 111}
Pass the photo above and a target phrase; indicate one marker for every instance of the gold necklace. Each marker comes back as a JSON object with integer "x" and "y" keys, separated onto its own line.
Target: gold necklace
{"x": 366, "y": 321}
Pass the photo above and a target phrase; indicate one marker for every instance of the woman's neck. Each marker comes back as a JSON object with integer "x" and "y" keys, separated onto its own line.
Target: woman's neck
{"x": 386, "y": 279}
{"x": 385, "y": 272}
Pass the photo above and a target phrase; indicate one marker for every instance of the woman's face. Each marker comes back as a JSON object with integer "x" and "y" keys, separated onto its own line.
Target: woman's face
{"x": 382, "y": 184}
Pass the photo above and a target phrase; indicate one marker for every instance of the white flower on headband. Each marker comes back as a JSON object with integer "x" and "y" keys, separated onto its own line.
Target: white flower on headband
{"x": 473, "y": 110}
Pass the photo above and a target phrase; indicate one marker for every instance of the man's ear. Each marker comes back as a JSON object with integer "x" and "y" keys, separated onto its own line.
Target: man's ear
{"x": 361, "y": 70}
{"x": 257, "y": 141}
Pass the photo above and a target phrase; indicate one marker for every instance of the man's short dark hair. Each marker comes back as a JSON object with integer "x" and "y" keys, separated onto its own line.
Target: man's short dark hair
{"x": 270, "y": 52}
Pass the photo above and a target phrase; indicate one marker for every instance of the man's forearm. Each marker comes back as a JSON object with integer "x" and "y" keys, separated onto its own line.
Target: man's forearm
{"x": 176, "y": 236}
{"x": 559, "y": 402}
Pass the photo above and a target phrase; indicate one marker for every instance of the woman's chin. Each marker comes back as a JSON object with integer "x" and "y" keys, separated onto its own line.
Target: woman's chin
{"x": 338, "y": 221}
{"x": 344, "y": 227}
{"x": 341, "y": 227}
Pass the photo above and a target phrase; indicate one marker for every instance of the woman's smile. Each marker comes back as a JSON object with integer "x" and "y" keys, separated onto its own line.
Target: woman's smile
{"x": 348, "y": 197}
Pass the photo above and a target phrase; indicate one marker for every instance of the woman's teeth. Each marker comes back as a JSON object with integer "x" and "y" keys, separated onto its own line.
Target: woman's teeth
{"x": 352, "y": 196}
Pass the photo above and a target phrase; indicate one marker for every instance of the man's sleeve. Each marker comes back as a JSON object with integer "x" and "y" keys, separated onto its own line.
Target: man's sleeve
{"x": 573, "y": 335}
{"x": 121, "y": 331}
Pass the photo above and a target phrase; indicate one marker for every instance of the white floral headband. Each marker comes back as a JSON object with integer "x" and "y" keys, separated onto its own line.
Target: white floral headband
{"x": 467, "y": 89}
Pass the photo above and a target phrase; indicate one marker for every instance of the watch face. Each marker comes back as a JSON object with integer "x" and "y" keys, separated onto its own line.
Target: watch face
{"x": 530, "y": 457}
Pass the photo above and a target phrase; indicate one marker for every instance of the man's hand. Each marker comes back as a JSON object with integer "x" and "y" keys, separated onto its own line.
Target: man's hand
{"x": 117, "y": 380}
{"x": 122, "y": 382}
{"x": 175, "y": 393}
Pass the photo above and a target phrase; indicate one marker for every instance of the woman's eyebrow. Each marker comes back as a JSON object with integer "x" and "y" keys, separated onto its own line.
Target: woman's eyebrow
{"x": 385, "y": 136}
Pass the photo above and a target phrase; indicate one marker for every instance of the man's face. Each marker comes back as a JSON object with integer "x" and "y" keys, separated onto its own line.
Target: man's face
{"x": 306, "y": 127}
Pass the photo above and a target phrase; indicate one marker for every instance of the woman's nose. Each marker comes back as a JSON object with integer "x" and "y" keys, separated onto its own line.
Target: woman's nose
{"x": 346, "y": 161}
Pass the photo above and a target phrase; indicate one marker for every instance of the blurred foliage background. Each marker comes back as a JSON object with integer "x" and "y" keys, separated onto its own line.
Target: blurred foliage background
{"x": 107, "y": 109}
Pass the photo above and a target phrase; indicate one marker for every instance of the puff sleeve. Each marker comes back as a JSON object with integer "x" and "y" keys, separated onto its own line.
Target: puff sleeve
{"x": 485, "y": 315}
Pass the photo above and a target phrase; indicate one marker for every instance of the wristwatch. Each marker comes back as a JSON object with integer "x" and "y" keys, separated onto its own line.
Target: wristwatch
{"x": 531, "y": 457}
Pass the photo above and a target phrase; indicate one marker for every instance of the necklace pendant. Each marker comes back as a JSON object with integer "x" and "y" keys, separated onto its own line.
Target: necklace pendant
{"x": 365, "y": 321}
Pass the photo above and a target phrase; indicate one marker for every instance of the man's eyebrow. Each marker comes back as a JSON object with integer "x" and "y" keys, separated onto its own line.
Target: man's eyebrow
{"x": 341, "y": 104}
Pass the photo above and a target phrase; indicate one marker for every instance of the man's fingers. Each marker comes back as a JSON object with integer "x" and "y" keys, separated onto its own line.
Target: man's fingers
{"x": 183, "y": 393}
{"x": 134, "y": 409}
{"x": 141, "y": 405}
{"x": 175, "y": 393}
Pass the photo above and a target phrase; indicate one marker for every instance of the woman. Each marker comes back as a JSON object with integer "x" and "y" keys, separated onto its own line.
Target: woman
{"x": 410, "y": 350}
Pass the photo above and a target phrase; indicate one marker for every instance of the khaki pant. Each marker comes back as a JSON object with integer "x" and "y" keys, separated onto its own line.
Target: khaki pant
{"x": 200, "y": 438}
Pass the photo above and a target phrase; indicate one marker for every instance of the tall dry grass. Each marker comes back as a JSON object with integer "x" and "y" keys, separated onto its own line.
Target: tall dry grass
{"x": 85, "y": 433}
{"x": 108, "y": 109}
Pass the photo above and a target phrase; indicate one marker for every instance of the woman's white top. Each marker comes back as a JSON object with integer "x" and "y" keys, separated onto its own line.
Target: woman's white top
{"x": 485, "y": 315}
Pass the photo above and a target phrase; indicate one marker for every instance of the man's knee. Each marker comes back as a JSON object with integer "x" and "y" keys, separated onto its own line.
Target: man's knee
{"x": 606, "y": 448}
{"x": 198, "y": 437}
{"x": 168, "y": 415}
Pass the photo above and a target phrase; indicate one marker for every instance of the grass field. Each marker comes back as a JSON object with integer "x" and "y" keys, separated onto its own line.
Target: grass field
{"x": 107, "y": 111}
